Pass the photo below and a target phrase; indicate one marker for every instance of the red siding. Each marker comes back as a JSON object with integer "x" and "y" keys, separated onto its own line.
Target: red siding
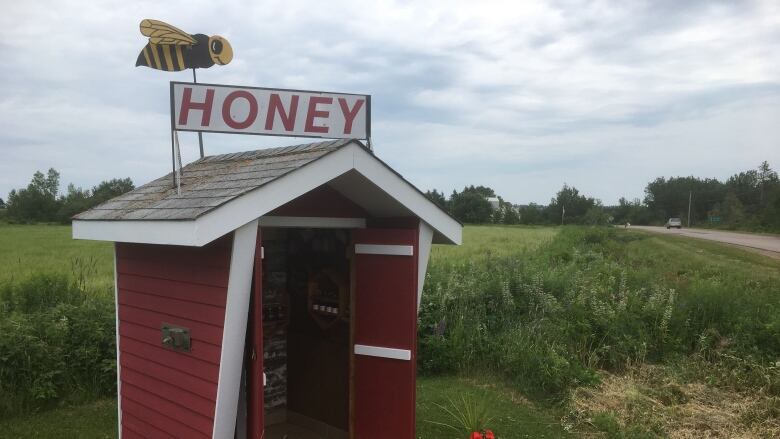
{"x": 323, "y": 201}
{"x": 168, "y": 394}
{"x": 386, "y": 316}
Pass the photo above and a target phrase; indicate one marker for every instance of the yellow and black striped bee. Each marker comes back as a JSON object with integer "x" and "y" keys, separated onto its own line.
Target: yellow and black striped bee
{"x": 172, "y": 49}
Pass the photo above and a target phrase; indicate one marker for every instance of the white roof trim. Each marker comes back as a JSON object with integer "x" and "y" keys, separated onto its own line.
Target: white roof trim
{"x": 313, "y": 222}
{"x": 424, "y": 240}
{"x": 252, "y": 205}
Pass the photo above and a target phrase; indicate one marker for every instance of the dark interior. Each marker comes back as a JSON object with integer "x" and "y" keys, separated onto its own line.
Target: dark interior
{"x": 306, "y": 324}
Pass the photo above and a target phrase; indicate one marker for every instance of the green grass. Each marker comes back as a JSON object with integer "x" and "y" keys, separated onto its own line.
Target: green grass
{"x": 546, "y": 310}
{"x": 493, "y": 241}
{"x": 30, "y": 249}
{"x": 664, "y": 255}
{"x": 91, "y": 421}
{"x": 513, "y": 416}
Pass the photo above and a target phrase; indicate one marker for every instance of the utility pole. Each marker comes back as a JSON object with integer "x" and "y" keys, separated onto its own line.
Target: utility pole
{"x": 563, "y": 212}
{"x": 690, "y": 195}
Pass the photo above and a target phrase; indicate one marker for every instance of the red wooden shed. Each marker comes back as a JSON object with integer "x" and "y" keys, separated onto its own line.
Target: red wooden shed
{"x": 273, "y": 295}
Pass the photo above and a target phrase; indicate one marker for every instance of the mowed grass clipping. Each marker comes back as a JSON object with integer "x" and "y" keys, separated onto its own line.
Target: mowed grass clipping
{"x": 31, "y": 249}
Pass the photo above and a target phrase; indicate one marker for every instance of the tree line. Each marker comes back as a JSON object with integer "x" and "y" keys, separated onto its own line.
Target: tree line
{"x": 41, "y": 200}
{"x": 472, "y": 206}
{"x": 748, "y": 200}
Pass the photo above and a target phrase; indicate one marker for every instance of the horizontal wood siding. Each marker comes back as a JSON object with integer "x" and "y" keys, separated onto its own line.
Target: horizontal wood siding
{"x": 169, "y": 394}
{"x": 323, "y": 201}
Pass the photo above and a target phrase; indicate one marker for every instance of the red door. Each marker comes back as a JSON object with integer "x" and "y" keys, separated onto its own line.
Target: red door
{"x": 255, "y": 376}
{"x": 385, "y": 331}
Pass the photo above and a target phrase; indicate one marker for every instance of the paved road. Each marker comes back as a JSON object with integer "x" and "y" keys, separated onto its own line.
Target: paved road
{"x": 767, "y": 244}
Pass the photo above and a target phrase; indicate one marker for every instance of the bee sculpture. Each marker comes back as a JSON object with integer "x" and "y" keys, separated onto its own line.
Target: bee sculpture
{"x": 173, "y": 50}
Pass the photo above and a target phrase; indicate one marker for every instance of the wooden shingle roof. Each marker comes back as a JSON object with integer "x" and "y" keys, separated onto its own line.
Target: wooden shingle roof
{"x": 208, "y": 183}
{"x": 221, "y": 193}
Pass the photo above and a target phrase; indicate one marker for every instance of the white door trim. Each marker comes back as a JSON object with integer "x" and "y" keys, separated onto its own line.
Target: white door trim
{"x": 384, "y": 249}
{"x": 242, "y": 262}
{"x": 381, "y": 352}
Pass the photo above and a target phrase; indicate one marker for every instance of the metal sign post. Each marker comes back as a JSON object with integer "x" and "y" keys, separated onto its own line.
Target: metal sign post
{"x": 200, "y": 134}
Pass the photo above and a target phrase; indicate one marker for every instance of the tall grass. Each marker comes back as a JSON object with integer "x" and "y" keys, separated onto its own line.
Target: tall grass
{"x": 596, "y": 298}
{"x": 56, "y": 343}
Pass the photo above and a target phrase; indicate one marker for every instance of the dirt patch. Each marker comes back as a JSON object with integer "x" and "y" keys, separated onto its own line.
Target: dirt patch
{"x": 648, "y": 400}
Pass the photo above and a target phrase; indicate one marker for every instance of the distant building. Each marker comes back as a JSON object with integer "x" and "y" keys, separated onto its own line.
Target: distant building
{"x": 494, "y": 202}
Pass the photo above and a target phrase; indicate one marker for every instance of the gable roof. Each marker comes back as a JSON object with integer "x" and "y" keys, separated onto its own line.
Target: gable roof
{"x": 208, "y": 183}
{"x": 223, "y": 192}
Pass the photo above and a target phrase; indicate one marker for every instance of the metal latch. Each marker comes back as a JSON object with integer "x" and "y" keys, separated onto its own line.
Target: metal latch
{"x": 176, "y": 338}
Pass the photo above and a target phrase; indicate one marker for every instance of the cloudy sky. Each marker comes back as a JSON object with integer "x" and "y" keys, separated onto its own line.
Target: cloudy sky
{"x": 521, "y": 96}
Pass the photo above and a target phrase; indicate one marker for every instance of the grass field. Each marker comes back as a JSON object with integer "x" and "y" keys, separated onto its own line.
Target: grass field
{"x": 480, "y": 242}
{"x": 606, "y": 332}
{"x": 30, "y": 249}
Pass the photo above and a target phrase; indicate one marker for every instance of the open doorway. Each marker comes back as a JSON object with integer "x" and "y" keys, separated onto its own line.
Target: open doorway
{"x": 306, "y": 328}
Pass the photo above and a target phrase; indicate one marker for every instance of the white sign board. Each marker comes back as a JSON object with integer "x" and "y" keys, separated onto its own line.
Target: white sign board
{"x": 271, "y": 112}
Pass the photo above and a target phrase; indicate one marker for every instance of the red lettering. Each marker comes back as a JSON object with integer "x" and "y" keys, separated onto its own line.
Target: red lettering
{"x": 288, "y": 118}
{"x": 187, "y": 105}
{"x": 228, "y": 104}
{"x": 349, "y": 115}
{"x": 314, "y": 113}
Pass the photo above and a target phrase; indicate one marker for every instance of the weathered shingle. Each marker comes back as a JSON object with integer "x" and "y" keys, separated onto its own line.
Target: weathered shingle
{"x": 208, "y": 183}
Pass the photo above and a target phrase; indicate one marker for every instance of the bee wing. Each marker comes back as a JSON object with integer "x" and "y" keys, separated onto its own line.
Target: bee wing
{"x": 163, "y": 33}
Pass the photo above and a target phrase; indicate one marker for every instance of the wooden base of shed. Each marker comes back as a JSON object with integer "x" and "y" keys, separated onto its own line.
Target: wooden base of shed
{"x": 290, "y": 431}
{"x": 297, "y": 426}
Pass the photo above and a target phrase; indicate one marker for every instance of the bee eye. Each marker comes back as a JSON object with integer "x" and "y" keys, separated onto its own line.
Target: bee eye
{"x": 216, "y": 47}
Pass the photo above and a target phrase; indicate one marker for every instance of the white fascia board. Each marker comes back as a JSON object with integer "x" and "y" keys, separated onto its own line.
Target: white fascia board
{"x": 231, "y": 360}
{"x": 312, "y": 222}
{"x": 145, "y": 232}
{"x": 406, "y": 194}
{"x": 424, "y": 241}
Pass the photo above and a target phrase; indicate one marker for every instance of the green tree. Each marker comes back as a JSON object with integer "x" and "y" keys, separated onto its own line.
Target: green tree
{"x": 107, "y": 190}
{"x": 471, "y": 205}
{"x": 766, "y": 178}
{"x": 575, "y": 205}
{"x": 669, "y": 198}
{"x": 732, "y": 210}
{"x": 510, "y": 214}
{"x": 597, "y": 216}
{"x": 438, "y": 198}
{"x": 532, "y": 214}
{"x": 75, "y": 201}
{"x": 38, "y": 202}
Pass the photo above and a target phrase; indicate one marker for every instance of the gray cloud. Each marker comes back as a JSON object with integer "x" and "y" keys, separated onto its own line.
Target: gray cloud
{"x": 521, "y": 96}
